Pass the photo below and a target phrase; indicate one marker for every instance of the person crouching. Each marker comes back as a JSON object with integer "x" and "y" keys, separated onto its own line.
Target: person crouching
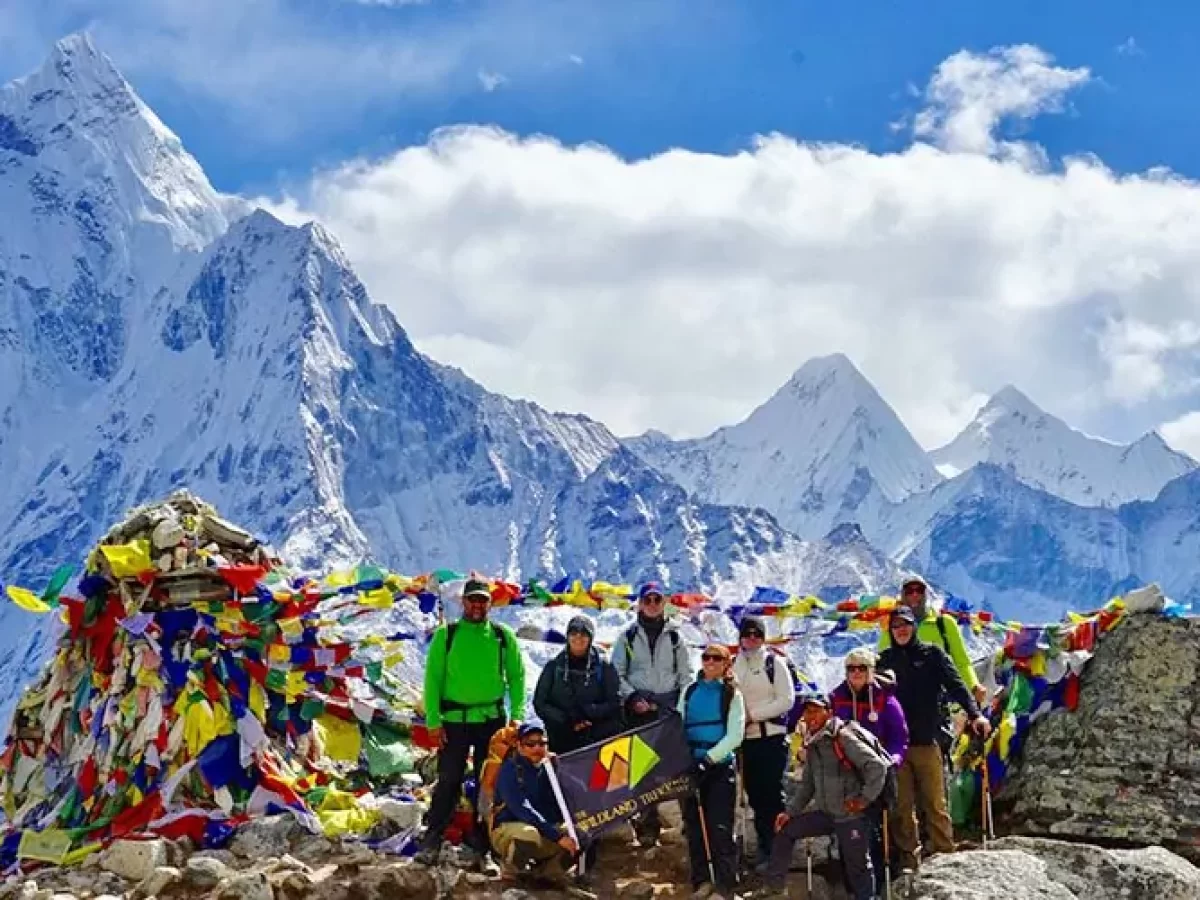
{"x": 528, "y": 834}
{"x": 714, "y": 717}
{"x": 842, "y": 795}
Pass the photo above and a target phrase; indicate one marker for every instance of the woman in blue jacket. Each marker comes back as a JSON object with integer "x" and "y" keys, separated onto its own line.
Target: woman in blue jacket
{"x": 714, "y": 718}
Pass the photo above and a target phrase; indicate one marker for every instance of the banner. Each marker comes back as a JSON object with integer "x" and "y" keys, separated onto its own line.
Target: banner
{"x": 608, "y": 783}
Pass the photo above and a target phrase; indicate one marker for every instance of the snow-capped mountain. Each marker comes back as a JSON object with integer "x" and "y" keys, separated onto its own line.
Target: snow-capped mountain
{"x": 1045, "y": 452}
{"x": 252, "y": 367}
{"x": 160, "y": 335}
{"x": 824, "y": 450}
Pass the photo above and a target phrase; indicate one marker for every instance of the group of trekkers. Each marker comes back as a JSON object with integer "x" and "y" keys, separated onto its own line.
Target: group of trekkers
{"x": 872, "y": 749}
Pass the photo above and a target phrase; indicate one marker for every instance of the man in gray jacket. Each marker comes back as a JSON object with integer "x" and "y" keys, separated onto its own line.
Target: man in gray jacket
{"x": 844, "y": 775}
{"x": 655, "y": 667}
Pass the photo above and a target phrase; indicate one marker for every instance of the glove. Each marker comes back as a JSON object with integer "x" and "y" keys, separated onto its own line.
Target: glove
{"x": 700, "y": 767}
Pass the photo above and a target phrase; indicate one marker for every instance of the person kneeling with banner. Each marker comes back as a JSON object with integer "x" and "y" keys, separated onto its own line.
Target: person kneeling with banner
{"x": 714, "y": 719}
{"x": 845, "y": 774}
{"x": 527, "y": 829}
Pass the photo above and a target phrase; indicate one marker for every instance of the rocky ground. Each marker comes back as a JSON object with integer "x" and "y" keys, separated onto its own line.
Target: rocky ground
{"x": 273, "y": 859}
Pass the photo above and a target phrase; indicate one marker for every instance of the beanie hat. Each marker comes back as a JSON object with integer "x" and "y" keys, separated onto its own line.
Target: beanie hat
{"x": 752, "y": 623}
{"x": 582, "y": 624}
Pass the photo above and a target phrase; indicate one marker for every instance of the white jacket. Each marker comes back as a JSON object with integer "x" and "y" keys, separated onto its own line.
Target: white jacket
{"x": 764, "y": 701}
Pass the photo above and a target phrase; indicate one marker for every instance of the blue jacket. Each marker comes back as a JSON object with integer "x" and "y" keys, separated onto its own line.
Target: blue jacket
{"x": 524, "y": 795}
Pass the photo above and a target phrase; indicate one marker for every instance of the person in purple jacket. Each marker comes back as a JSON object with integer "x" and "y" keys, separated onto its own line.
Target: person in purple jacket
{"x": 869, "y": 698}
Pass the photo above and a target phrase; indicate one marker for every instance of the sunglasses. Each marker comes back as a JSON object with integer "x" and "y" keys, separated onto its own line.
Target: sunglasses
{"x": 577, "y": 632}
{"x": 712, "y": 657}
{"x": 914, "y": 590}
{"x": 534, "y": 743}
{"x": 857, "y": 668}
{"x": 476, "y": 598}
{"x": 754, "y": 634}
{"x": 652, "y": 599}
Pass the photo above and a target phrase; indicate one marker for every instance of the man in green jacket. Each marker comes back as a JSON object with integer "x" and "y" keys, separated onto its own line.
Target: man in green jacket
{"x": 470, "y": 667}
{"x": 939, "y": 629}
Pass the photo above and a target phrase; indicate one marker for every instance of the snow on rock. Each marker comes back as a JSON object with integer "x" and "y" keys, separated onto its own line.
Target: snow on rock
{"x": 824, "y": 450}
{"x": 1045, "y": 452}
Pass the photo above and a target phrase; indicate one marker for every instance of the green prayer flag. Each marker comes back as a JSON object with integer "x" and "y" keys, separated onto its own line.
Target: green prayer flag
{"x": 57, "y": 582}
{"x": 388, "y": 751}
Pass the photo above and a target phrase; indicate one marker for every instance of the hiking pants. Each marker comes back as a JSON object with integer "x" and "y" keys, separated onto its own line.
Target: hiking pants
{"x": 920, "y": 784}
{"x": 647, "y": 825}
{"x": 764, "y": 760}
{"x": 874, "y": 815}
{"x": 853, "y": 837}
{"x": 515, "y": 842}
{"x": 461, "y": 740}
{"x": 716, "y": 792}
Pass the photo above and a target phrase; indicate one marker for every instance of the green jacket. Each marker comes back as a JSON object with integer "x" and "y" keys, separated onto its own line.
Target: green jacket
{"x": 929, "y": 632}
{"x": 475, "y": 676}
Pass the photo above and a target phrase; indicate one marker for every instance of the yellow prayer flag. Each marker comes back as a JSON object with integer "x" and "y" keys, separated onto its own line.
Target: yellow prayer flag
{"x": 128, "y": 560}
{"x": 339, "y": 579}
{"x": 49, "y": 846}
{"x": 381, "y": 598}
{"x": 26, "y": 599}
{"x": 279, "y": 653}
{"x": 342, "y": 740}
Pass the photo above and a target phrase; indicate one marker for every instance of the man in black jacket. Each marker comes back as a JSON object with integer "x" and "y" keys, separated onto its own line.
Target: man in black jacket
{"x": 922, "y": 672}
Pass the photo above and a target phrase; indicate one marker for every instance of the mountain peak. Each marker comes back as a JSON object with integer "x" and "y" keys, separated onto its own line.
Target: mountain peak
{"x": 1043, "y": 451}
{"x": 76, "y": 82}
{"x": 1011, "y": 399}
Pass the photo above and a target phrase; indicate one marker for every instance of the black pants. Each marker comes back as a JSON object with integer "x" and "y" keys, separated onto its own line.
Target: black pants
{"x": 852, "y": 838}
{"x": 874, "y": 815}
{"x": 647, "y": 825}
{"x": 764, "y": 760}
{"x": 717, "y": 793}
{"x": 461, "y": 740}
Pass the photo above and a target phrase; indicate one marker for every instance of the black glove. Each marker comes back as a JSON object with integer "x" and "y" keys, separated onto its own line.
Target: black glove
{"x": 700, "y": 767}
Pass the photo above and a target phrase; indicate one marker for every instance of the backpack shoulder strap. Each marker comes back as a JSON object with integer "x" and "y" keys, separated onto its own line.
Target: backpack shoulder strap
{"x": 630, "y": 637}
{"x": 941, "y": 626}
{"x": 769, "y": 665}
{"x": 674, "y": 650}
{"x": 728, "y": 689}
{"x": 502, "y": 640}
{"x": 451, "y": 630}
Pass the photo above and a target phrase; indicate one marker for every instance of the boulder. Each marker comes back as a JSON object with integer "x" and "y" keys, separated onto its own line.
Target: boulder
{"x": 204, "y": 872}
{"x": 161, "y": 879}
{"x": 135, "y": 860}
{"x": 266, "y": 837}
{"x": 1121, "y": 770}
{"x": 1041, "y": 869}
{"x": 396, "y": 880}
{"x": 245, "y": 886}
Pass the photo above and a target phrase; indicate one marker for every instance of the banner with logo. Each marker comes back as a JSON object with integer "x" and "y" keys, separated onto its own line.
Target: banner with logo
{"x": 608, "y": 783}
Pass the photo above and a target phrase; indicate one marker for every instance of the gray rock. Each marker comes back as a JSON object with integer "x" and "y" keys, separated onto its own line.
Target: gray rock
{"x": 225, "y": 856}
{"x": 634, "y": 889}
{"x": 516, "y": 894}
{"x": 1039, "y": 869}
{"x": 245, "y": 886}
{"x": 266, "y": 837}
{"x": 159, "y": 881}
{"x": 134, "y": 860}
{"x": 396, "y": 880}
{"x": 204, "y": 872}
{"x": 313, "y": 849}
{"x": 1123, "y": 767}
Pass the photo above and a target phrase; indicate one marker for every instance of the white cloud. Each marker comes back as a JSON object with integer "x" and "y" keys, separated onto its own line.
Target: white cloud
{"x": 679, "y": 291}
{"x": 1184, "y": 434}
{"x": 491, "y": 80}
{"x": 971, "y": 94}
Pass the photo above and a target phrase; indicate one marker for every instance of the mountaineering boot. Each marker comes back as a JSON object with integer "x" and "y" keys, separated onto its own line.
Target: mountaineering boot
{"x": 488, "y": 866}
{"x": 521, "y": 857}
{"x": 702, "y": 891}
{"x": 429, "y": 854}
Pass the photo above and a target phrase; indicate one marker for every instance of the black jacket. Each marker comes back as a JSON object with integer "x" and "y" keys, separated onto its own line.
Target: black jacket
{"x": 922, "y": 672}
{"x": 585, "y": 691}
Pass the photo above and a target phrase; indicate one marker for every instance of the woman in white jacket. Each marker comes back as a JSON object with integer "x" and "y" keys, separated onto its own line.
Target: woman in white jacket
{"x": 766, "y": 685}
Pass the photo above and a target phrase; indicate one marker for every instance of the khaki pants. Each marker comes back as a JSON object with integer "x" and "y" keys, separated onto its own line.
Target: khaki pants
{"x": 552, "y": 860}
{"x": 921, "y": 784}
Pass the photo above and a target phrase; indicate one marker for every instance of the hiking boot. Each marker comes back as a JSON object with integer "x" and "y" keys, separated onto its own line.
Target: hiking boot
{"x": 702, "y": 891}
{"x": 488, "y": 866}
{"x": 521, "y": 857}
{"x": 428, "y": 855}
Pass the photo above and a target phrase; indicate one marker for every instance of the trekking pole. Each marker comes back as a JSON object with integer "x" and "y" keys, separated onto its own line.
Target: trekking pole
{"x": 985, "y": 805}
{"x": 808, "y": 862}
{"x": 887, "y": 858}
{"x": 712, "y": 872}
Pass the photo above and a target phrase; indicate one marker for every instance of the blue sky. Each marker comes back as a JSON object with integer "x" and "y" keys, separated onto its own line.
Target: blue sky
{"x": 639, "y": 76}
{"x": 915, "y": 211}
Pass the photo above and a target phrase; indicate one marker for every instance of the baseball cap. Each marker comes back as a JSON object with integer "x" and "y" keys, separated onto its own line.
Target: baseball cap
{"x": 903, "y": 614}
{"x": 533, "y": 726}
{"x": 476, "y": 588}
